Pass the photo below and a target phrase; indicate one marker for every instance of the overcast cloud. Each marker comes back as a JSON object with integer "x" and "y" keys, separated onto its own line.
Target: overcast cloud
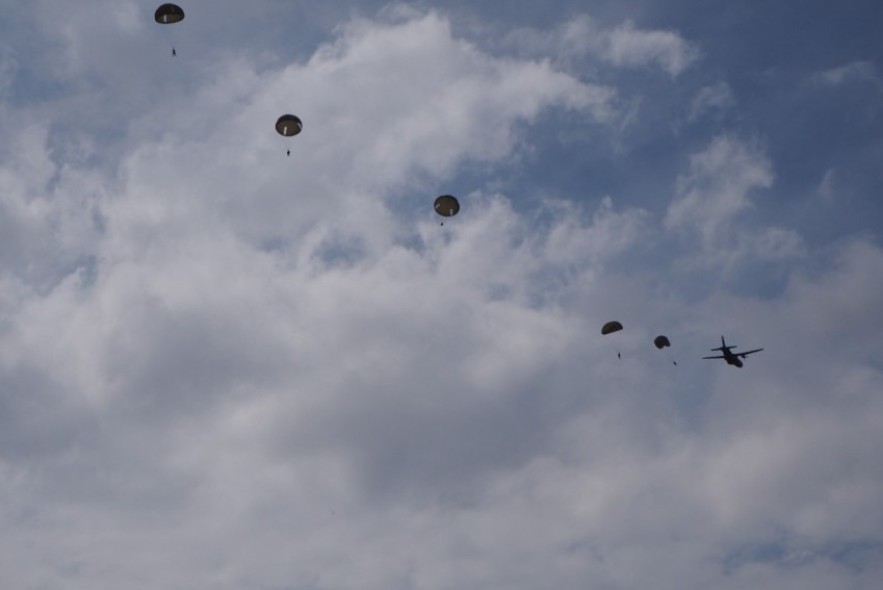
{"x": 222, "y": 367}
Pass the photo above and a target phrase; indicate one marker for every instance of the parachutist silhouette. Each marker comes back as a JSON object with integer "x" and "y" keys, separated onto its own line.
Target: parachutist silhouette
{"x": 287, "y": 152}
{"x": 174, "y": 53}
{"x": 618, "y": 355}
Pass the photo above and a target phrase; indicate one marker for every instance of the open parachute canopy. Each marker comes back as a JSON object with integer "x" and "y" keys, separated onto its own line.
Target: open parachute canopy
{"x": 611, "y": 327}
{"x": 661, "y": 342}
{"x": 447, "y": 205}
{"x": 288, "y": 125}
{"x": 167, "y": 14}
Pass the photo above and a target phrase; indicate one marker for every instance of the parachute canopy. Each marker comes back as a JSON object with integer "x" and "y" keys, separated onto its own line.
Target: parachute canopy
{"x": 661, "y": 342}
{"x": 447, "y": 206}
{"x": 167, "y": 14}
{"x": 288, "y": 125}
{"x": 611, "y": 327}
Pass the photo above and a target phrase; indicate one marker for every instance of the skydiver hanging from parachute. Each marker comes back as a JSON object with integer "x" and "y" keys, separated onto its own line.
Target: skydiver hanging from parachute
{"x": 288, "y": 126}
{"x": 169, "y": 14}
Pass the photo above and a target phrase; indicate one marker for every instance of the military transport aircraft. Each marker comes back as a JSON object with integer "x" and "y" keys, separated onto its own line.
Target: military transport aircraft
{"x": 732, "y": 358}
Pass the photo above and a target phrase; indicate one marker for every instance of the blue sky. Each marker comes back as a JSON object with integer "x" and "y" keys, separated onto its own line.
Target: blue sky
{"x": 221, "y": 367}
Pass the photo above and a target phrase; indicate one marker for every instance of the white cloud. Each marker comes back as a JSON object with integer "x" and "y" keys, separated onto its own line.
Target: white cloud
{"x": 853, "y": 71}
{"x": 622, "y": 46}
{"x": 8, "y": 69}
{"x": 237, "y": 369}
{"x": 716, "y": 97}
{"x": 716, "y": 190}
{"x": 772, "y": 244}
{"x": 627, "y": 46}
{"x": 717, "y": 185}
{"x": 841, "y": 304}
{"x": 437, "y": 88}
{"x": 609, "y": 234}
{"x": 827, "y": 188}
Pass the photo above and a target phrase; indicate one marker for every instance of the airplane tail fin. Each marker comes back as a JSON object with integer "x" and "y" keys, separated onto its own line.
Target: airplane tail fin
{"x": 723, "y": 345}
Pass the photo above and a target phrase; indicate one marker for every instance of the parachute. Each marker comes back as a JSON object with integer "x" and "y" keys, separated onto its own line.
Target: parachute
{"x": 168, "y": 14}
{"x": 611, "y": 327}
{"x": 288, "y": 126}
{"x": 446, "y": 206}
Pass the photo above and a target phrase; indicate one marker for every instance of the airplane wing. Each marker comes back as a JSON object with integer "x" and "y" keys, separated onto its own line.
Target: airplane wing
{"x": 747, "y": 352}
{"x": 714, "y": 357}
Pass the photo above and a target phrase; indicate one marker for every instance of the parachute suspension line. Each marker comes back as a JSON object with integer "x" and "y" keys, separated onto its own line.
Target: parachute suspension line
{"x": 661, "y": 342}
{"x": 610, "y": 328}
{"x": 285, "y": 132}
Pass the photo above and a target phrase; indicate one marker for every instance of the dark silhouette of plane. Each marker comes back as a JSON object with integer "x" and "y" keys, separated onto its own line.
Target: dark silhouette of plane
{"x": 732, "y": 358}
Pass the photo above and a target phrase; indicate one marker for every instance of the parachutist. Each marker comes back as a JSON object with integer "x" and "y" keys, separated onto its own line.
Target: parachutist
{"x": 287, "y": 152}
{"x": 174, "y": 53}
{"x": 618, "y": 355}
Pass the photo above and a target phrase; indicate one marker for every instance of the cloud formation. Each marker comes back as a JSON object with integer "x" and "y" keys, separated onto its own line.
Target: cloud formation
{"x": 222, "y": 367}
{"x": 627, "y": 46}
{"x": 622, "y": 46}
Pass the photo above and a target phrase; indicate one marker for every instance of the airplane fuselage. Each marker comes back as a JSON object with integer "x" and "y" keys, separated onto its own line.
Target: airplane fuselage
{"x": 731, "y": 358}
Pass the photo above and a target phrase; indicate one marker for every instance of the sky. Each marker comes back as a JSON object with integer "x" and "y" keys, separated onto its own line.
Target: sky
{"x": 223, "y": 367}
